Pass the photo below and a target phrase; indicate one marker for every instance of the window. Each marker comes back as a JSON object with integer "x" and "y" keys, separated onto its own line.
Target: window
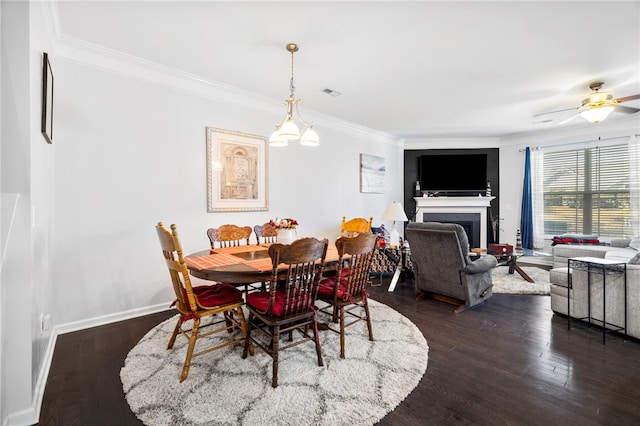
{"x": 586, "y": 191}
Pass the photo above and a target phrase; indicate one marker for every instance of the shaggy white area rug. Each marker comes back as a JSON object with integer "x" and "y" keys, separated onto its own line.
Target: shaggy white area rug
{"x": 503, "y": 282}
{"x": 222, "y": 388}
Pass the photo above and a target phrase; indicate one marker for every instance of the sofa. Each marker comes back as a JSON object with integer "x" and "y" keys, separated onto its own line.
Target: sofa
{"x": 624, "y": 250}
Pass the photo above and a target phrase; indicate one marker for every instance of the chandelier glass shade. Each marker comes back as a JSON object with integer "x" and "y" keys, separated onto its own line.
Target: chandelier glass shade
{"x": 596, "y": 114}
{"x": 288, "y": 130}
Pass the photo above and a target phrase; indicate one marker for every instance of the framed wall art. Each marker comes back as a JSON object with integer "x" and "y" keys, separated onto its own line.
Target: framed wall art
{"x": 372, "y": 172}
{"x": 46, "y": 123}
{"x": 237, "y": 171}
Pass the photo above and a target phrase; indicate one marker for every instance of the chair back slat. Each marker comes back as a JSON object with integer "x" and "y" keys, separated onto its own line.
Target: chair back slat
{"x": 305, "y": 260}
{"x": 174, "y": 258}
{"x": 352, "y": 227}
{"x": 356, "y": 255}
{"x": 229, "y": 235}
{"x": 266, "y": 233}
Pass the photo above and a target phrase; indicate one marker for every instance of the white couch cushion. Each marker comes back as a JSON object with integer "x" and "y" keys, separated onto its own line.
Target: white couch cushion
{"x": 621, "y": 255}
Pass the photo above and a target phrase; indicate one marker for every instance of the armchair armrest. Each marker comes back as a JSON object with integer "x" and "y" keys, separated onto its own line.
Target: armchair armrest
{"x": 481, "y": 265}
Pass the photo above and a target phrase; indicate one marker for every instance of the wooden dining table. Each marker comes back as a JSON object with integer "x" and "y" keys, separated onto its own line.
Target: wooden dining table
{"x": 242, "y": 264}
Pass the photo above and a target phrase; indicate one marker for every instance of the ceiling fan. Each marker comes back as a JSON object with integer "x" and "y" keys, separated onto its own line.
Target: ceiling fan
{"x": 598, "y": 106}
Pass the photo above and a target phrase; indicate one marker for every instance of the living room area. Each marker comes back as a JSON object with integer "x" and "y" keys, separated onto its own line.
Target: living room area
{"x": 136, "y": 89}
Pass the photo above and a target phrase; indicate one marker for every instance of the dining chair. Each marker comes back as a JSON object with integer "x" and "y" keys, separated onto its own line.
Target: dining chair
{"x": 266, "y": 234}
{"x": 221, "y": 304}
{"x": 348, "y": 294}
{"x": 288, "y": 304}
{"x": 229, "y": 235}
{"x": 351, "y": 227}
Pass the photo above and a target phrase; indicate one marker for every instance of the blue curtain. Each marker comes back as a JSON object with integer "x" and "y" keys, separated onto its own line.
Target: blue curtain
{"x": 526, "y": 213}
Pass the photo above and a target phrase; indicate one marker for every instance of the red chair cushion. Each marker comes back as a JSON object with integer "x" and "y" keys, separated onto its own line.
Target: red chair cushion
{"x": 326, "y": 287}
{"x": 211, "y": 296}
{"x": 259, "y": 301}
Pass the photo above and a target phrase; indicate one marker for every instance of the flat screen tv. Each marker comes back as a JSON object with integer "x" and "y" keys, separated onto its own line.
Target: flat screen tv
{"x": 465, "y": 174}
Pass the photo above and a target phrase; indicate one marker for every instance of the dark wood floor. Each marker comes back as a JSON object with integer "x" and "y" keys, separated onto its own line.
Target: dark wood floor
{"x": 509, "y": 361}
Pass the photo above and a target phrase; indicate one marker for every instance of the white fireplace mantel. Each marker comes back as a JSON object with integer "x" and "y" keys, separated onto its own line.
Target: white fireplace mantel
{"x": 474, "y": 205}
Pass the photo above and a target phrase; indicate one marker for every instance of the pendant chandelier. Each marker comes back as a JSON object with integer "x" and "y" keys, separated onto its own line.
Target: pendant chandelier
{"x": 288, "y": 130}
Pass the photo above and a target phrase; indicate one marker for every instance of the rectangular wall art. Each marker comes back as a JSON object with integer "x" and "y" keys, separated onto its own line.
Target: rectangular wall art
{"x": 237, "y": 171}
{"x": 372, "y": 171}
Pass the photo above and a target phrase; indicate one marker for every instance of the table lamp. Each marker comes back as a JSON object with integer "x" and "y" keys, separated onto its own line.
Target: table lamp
{"x": 394, "y": 212}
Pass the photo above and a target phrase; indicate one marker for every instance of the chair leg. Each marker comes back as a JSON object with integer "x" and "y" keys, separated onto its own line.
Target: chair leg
{"x": 192, "y": 345}
{"x": 316, "y": 339}
{"x": 366, "y": 311}
{"x": 247, "y": 339}
{"x": 274, "y": 355}
{"x": 176, "y": 330}
{"x": 245, "y": 331}
{"x": 341, "y": 315}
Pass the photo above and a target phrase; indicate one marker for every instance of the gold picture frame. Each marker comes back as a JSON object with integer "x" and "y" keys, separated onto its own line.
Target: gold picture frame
{"x": 237, "y": 171}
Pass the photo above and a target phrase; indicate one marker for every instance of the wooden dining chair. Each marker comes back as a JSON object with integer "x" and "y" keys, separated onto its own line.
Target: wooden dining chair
{"x": 352, "y": 227}
{"x": 229, "y": 235}
{"x": 348, "y": 294}
{"x": 266, "y": 234}
{"x": 288, "y": 304}
{"x": 220, "y": 303}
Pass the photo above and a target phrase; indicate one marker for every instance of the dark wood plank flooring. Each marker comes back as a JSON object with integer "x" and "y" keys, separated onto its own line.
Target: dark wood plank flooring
{"x": 509, "y": 361}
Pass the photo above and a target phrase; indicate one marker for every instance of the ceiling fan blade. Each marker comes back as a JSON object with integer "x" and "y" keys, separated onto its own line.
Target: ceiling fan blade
{"x": 628, "y": 98}
{"x": 626, "y": 110}
{"x": 553, "y": 112}
{"x": 568, "y": 119}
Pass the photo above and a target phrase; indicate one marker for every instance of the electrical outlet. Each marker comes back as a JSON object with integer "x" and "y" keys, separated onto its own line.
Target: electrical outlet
{"x": 45, "y": 322}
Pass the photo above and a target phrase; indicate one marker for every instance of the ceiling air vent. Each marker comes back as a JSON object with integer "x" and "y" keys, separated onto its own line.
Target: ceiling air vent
{"x": 332, "y": 92}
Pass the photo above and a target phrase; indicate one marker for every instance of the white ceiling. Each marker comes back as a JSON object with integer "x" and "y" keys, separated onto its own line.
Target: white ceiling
{"x": 417, "y": 69}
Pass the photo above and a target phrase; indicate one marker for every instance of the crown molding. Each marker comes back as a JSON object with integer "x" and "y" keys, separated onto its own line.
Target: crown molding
{"x": 92, "y": 55}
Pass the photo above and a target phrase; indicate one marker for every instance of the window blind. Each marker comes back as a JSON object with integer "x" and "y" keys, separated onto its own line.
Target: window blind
{"x": 586, "y": 191}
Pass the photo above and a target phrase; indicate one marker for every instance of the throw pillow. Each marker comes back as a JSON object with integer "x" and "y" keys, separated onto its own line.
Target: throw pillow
{"x": 635, "y": 260}
{"x": 635, "y": 243}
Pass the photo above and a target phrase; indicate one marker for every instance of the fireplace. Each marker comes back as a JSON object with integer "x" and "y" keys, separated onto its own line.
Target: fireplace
{"x": 469, "y": 221}
{"x": 469, "y": 212}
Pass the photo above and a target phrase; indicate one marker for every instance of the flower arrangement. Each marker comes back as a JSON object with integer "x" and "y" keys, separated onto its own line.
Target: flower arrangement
{"x": 286, "y": 223}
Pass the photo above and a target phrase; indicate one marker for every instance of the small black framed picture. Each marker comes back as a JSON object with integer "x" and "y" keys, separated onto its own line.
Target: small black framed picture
{"x": 46, "y": 126}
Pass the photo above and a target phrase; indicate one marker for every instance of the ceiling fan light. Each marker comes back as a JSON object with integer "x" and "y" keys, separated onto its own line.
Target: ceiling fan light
{"x": 310, "y": 137}
{"x": 597, "y": 114}
{"x": 276, "y": 140}
{"x": 289, "y": 130}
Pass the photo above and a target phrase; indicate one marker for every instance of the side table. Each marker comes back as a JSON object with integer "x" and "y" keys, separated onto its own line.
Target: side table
{"x": 402, "y": 258}
{"x": 511, "y": 260}
{"x": 603, "y": 267}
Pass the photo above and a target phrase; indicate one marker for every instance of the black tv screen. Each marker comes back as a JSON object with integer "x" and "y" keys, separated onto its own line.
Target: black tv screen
{"x": 464, "y": 173}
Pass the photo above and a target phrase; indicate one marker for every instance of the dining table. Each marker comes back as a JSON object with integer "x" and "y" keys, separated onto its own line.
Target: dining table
{"x": 241, "y": 265}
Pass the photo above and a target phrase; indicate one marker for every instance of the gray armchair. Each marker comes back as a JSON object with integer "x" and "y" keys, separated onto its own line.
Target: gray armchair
{"x": 442, "y": 267}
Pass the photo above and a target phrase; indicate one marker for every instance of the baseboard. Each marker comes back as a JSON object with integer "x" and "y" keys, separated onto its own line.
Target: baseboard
{"x": 108, "y": 319}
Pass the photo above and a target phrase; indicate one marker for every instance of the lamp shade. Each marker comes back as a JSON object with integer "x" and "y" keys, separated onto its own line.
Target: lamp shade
{"x": 394, "y": 212}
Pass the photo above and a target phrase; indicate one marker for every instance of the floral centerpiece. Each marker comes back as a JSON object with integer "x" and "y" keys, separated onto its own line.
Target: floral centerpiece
{"x": 286, "y": 223}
